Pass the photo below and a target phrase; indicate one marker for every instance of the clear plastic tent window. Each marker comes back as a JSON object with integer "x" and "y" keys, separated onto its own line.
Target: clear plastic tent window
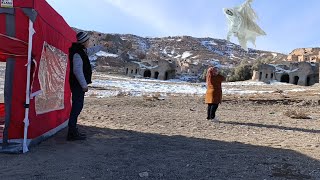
{"x": 52, "y": 75}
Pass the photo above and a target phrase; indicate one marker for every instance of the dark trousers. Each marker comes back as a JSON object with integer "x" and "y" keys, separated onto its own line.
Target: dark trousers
{"x": 212, "y": 108}
{"x": 77, "y": 105}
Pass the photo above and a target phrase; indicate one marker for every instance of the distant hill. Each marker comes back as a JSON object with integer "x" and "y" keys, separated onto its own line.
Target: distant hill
{"x": 184, "y": 49}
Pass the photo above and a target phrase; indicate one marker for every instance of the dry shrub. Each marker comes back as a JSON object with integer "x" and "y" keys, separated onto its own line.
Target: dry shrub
{"x": 241, "y": 73}
{"x": 297, "y": 114}
{"x": 148, "y": 98}
{"x": 122, "y": 94}
{"x": 94, "y": 94}
{"x": 156, "y": 95}
{"x": 278, "y": 91}
{"x": 152, "y": 97}
{"x": 140, "y": 54}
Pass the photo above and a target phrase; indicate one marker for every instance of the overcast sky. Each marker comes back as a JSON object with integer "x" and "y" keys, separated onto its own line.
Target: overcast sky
{"x": 289, "y": 24}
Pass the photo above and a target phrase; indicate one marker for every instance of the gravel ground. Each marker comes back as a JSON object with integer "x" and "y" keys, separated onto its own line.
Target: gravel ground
{"x": 152, "y": 138}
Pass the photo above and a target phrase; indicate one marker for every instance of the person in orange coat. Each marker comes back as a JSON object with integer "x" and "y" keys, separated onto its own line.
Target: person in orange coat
{"x": 214, "y": 91}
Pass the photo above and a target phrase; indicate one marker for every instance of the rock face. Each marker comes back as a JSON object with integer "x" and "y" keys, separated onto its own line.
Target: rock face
{"x": 305, "y": 54}
{"x": 186, "y": 50}
{"x": 179, "y": 48}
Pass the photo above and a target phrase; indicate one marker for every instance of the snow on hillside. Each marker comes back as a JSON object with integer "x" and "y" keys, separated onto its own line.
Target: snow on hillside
{"x": 94, "y": 57}
{"x": 186, "y": 54}
{"x": 274, "y": 55}
{"x": 105, "y": 54}
{"x": 143, "y": 45}
{"x": 210, "y": 46}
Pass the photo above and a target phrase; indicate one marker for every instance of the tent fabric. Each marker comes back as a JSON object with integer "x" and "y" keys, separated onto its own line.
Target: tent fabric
{"x": 13, "y": 47}
{"x": 52, "y": 29}
{"x": 24, "y": 3}
{"x": 2, "y": 116}
{"x": 10, "y": 64}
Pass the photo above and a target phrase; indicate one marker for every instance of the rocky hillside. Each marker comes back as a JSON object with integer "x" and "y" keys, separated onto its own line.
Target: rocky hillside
{"x": 190, "y": 49}
{"x": 181, "y": 49}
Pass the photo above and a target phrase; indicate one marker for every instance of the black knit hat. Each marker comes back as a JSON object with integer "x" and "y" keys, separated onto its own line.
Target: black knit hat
{"x": 82, "y": 37}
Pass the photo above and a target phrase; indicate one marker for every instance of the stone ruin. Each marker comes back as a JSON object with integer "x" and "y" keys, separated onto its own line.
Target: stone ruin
{"x": 168, "y": 69}
{"x": 156, "y": 69}
{"x": 305, "y": 54}
{"x": 298, "y": 73}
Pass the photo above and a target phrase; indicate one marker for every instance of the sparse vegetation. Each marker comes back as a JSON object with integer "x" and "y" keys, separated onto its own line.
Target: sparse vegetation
{"x": 108, "y": 37}
{"x": 93, "y": 95}
{"x": 240, "y": 73}
{"x": 259, "y": 61}
{"x": 245, "y": 69}
{"x": 122, "y": 94}
{"x": 152, "y": 97}
{"x": 297, "y": 114}
{"x": 202, "y": 77}
{"x": 140, "y": 54}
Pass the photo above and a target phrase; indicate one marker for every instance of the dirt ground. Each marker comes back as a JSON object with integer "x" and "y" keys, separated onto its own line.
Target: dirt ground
{"x": 170, "y": 139}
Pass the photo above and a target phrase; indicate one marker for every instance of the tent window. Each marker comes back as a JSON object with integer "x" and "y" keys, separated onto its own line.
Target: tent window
{"x": 52, "y": 75}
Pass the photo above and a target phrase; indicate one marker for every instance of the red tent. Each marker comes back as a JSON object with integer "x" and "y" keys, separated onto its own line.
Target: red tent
{"x": 34, "y": 42}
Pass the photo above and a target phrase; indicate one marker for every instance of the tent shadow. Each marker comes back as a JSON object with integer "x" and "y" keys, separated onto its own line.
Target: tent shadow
{"x": 124, "y": 154}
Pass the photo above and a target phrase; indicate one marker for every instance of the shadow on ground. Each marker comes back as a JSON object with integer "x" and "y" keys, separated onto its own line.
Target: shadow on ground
{"x": 122, "y": 154}
{"x": 315, "y": 131}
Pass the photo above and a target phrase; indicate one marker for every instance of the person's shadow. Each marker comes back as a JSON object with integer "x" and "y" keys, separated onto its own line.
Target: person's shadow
{"x": 315, "y": 131}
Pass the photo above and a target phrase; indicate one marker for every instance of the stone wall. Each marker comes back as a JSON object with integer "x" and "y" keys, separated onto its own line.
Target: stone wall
{"x": 305, "y": 55}
{"x": 158, "y": 69}
{"x": 301, "y": 73}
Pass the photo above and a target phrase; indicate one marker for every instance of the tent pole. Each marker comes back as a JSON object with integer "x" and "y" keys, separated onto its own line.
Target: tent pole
{"x": 26, "y": 115}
